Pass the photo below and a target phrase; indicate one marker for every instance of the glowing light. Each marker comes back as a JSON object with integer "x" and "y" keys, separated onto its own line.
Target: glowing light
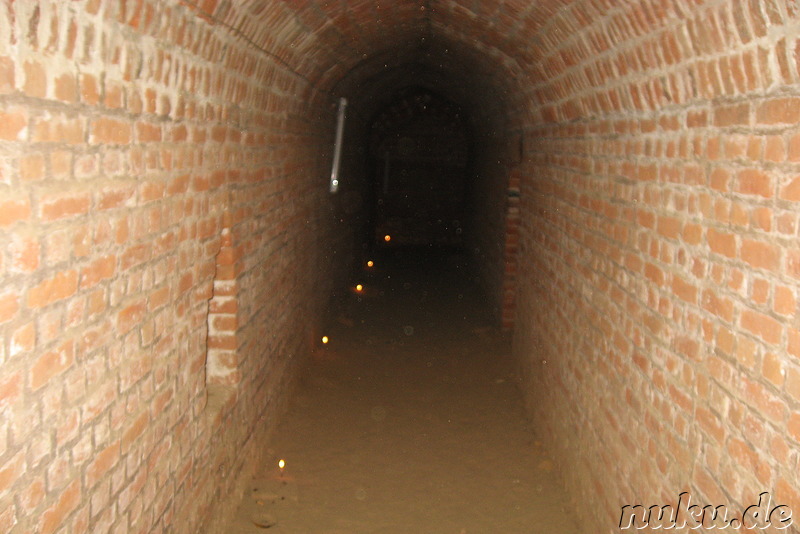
{"x": 324, "y": 342}
{"x": 370, "y": 263}
{"x": 281, "y": 464}
{"x": 359, "y": 288}
{"x": 387, "y": 238}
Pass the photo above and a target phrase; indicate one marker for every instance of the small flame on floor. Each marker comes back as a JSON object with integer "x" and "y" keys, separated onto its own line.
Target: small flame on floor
{"x": 359, "y": 288}
{"x": 281, "y": 464}
{"x": 370, "y": 263}
{"x": 324, "y": 342}
{"x": 387, "y": 238}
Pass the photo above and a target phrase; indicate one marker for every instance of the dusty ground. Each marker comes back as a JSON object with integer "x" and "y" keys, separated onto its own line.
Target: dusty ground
{"x": 408, "y": 421}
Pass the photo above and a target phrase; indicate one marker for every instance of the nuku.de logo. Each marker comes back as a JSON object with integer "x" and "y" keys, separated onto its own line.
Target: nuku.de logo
{"x": 755, "y": 517}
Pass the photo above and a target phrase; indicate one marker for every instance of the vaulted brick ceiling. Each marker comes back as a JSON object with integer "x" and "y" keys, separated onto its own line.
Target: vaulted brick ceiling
{"x": 469, "y": 50}
{"x": 551, "y": 60}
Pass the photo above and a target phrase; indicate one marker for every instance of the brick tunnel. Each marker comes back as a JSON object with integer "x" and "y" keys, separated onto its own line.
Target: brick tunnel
{"x": 624, "y": 177}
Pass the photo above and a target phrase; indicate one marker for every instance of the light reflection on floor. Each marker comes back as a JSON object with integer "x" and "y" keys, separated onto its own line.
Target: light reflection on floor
{"x": 407, "y": 421}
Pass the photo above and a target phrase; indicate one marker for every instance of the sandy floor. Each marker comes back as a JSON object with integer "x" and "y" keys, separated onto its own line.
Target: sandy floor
{"x": 408, "y": 421}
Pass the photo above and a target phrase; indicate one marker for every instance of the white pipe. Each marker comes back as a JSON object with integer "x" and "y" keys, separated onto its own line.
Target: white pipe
{"x": 337, "y": 150}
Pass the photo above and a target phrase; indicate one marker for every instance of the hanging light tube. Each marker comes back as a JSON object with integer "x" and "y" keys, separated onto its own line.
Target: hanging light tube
{"x": 337, "y": 149}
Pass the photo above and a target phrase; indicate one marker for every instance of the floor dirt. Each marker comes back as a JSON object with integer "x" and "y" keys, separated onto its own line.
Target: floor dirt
{"x": 408, "y": 421}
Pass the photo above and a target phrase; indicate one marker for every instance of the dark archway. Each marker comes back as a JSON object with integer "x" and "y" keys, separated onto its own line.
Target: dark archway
{"x": 419, "y": 152}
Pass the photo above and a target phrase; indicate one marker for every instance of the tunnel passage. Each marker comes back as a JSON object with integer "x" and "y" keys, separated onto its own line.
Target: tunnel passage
{"x": 634, "y": 204}
{"x": 484, "y": 144}
{"x": 418, "y": 156}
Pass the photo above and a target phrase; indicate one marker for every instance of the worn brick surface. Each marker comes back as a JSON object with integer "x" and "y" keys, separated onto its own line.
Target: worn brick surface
{"x": 167, "y": 243}
{"x": 132, "y": 135}
{"x": 655, "y": 309}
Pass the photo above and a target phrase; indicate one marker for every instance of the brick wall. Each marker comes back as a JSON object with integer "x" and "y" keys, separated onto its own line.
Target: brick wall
{"x": 659, "y": 258}
{"x": 493, "y": 220}
{"x": 164, "y": 217}
{"x": 168, "y": 243}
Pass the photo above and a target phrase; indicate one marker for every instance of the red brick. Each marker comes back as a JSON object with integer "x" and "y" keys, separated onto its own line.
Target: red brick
{"x": 114, "y": 95}
{"x": 686, "y": 346}
{"x": 58, "y": 129}
{"x": 762, "y": 218}
{"x": 147, "y": 132}
{"x": 711, "y": 424}
{"x": 63, "y": 205}
{"x": 793, "y": 382}
{"x": 13, "y": 124}
{"x": 761, "y": 325}
{"x": 9, "y": 305}
{"x": 180, "y": 184}
{"x": 223, "y": 305}
{"x": 114, "y": 197}
{"x": 10, "y": 390}
{"x": 32, "y": 496}
{"x": 721, "y": 242}
{"x": 669, "y": 227}
{"x": 681, "y": 399}
{"x": 102, "y": 463}
{"x": 23, "y": 339}
{"x": 13, "y": 210}
{"x": 35, "y": 80}
{"x": 760, "y": 255}
{"x": 720, "y": 179}
{"x": 106, "y": 130}
{"x": 225, "y": 342}
{"x": 791, "y": 191}
{"x": 25, "y": 253}
{"x": 733, "y": 115}
{"x": 794, "y": 426}
{"x": 67, "y": 502}
{"x": 149, "y": 191}
{"x": 130, "y": 317}
{"x": 7, "y": 81}
{"x": 223, "y": 323}
{"x": 793, "y": 263}
{"x": 185, "y": 283}
{"x": 11, "y": 471}
{"x": 692, "y": 234}
{"x": 759, "y": 291}
{"x": 725, "y": 340}
{"x": 51, "y": 364}
{"x": 32, "y": 168}
{"x": 775, "y": 150}
{"x": 785, "y": 302}
{"x": 788, "y": 495}
{"x": 754, "y": 182}
{"x": 684, "y": 290}
{"x": 745, "y": 456}
{"x": 647, "y": 173}
{"x": 100, "y": 269}
{"x": 762, "y": 399}
{"x": 133, "y": 256}
{"x": 794, "y": 148}
{"x": 133, "y": 431}
{"x": 66, "y": 88}
{"x": 59, "y": 287}
{"x": 772, "y": 369}
{"x": 779, "y": 111}
{"x": 89, "y": 89}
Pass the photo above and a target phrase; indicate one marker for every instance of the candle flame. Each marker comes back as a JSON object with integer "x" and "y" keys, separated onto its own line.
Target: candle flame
{"x": 370, "y": 263}
{"x": 281, "y": 464}
{"x": 359, "y": 288}
{"x": 324, "y": 341}
{"x": 387, "y": 238}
